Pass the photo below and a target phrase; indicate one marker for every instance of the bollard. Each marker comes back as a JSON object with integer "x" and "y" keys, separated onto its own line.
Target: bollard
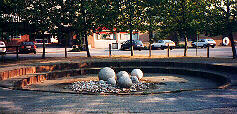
{"x": 208, "y": 51}
{"x": 110, "y": 50}
{"x": 196, "y": 50}
{"x": 150, "y": 50}
{"x": 168, "y": 51}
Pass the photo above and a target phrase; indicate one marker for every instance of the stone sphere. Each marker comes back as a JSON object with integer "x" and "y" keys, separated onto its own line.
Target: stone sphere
{"x": 106, "y": 73}
{"x": 122, "y": 73}
{"x": 124, "y": 82}
{"x": 138, "y": 73}
{"x": 111, "y": 81}
{"x": 134, "y": 79}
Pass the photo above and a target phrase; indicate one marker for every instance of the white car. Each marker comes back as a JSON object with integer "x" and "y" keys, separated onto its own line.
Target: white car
{"x": 204, "y": 43}
{"x": 163, "y": 44}
{"x": 2, "y": 47}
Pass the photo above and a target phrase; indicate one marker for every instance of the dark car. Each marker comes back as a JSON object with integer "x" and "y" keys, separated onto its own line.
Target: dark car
{"x": 27, "y": 47}
{"x": 137, "y": 44}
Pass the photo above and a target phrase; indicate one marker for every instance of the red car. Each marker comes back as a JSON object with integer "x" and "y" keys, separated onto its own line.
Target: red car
{"x": 27, "y": 47}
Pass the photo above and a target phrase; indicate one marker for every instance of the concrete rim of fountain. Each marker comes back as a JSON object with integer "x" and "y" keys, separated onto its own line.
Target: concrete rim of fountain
{"x": 30, "y": 74}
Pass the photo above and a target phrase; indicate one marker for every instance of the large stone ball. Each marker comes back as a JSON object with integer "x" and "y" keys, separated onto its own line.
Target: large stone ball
{"x": 111, "y": 81}
{"x": 124, "y": 82}
{"x": 134, "y": 79}
{"x": 138, "y": 73}
{"x": 122, "y": 73}
{"x": 106, "y": 73}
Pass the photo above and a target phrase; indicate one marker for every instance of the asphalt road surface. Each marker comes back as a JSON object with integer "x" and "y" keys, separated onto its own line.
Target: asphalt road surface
{"x": 218, "y": 52}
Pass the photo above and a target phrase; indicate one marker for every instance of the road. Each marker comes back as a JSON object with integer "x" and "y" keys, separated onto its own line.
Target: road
{"x": 218, "y": 52}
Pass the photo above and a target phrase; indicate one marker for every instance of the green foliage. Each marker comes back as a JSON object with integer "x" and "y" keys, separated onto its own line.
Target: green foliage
{"x": 218, "y": 20}
{"x": 8, "y": 10}
{"x": 182, "y": 18}
{"x": 180, "y": 45}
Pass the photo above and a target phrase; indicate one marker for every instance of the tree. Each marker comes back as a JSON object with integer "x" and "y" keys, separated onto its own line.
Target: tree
{"x": 93, "y": 14}
{"x": 11, "y": 22}
{"x": 129, "y": 17}
{"x": 152, "y": 17}
{"x": 64, "y": 17}
{"x": 221, "y": 19}
{"x": 183, "y": 17}
{"x": 85, "y": 19}
{"x": 39, "y": 13}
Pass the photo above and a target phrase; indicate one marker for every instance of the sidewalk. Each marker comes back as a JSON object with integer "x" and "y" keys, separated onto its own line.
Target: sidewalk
{"x": 52, "y": 50}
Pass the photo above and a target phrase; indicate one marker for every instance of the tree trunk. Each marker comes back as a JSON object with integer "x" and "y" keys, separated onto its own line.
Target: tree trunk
{"x": 87, "y": 48}
{"x": 229, "y": 27}
{"x": 131, "y": 46}
{"x": 130, "y": 27}
{"x": 43, "y": 55}
{"x": 186, "y": 46}
{"x": 150, "y": 37}
{"x": 66, "y": 44}
{"x": 232, "y": 45}
{"x": 2, "y": 35}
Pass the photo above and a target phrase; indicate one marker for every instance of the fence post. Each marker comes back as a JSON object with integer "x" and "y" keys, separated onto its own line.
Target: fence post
{"x": 110, "y": 50}
{"x": 17, "y": 53}
{"x": 149, "y": 49}
{"x": 2, "y": 58}
{"x": 208, "y": 51}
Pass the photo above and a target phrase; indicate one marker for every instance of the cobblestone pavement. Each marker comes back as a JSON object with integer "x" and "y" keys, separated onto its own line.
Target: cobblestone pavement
{"x": 205, "y": 101}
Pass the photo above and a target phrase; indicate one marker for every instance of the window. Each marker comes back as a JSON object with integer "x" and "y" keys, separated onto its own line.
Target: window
{"x": 160, "y": 41}
{"x": 210, "y": 40}
{"x": 125, "y": 36}
{"x": 106, "y": 36}
{"x": 201, "y": 40}
{"x": 41, "y": 41}
{"x": 15, "y": 37}
{"x": 27, "y": 43}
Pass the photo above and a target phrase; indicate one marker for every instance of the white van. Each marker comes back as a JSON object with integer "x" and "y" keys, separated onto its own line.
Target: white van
{"x": 2, "y": 47}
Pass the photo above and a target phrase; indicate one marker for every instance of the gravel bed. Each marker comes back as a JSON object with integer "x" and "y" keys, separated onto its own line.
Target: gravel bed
{"x": 97, "y": 87}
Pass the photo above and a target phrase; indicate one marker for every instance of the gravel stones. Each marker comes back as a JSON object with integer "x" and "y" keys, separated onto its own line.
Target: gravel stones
{"x": 106, "y": 73}
{"x": 107, "y": 82}
{"x": 97, "y": 87}
{"x": 101, "y": 82}
{"x": 138, "y": 73}
{"x": 93, "y": 87}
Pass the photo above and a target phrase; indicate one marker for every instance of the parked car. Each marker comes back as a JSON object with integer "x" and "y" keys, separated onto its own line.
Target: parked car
{"x": 163, "y": 44}
{"x": 27, "y": 47}
{"x": 204, "y": 43}
{"x": 2, "y": 47}
{"x": 137, "y": 44}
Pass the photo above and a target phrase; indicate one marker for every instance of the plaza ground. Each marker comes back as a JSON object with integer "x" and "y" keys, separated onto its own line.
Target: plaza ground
{"x": 200, "y": 101}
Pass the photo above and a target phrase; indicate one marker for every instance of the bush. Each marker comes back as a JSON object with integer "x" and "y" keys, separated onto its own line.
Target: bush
{"x": 180, "y": 46}
{"x": 75, "y": 50}
{"x": 145, "y": 48}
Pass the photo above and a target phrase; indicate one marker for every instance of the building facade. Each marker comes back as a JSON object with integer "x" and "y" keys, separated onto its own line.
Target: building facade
{"x": 104, "y": 38}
